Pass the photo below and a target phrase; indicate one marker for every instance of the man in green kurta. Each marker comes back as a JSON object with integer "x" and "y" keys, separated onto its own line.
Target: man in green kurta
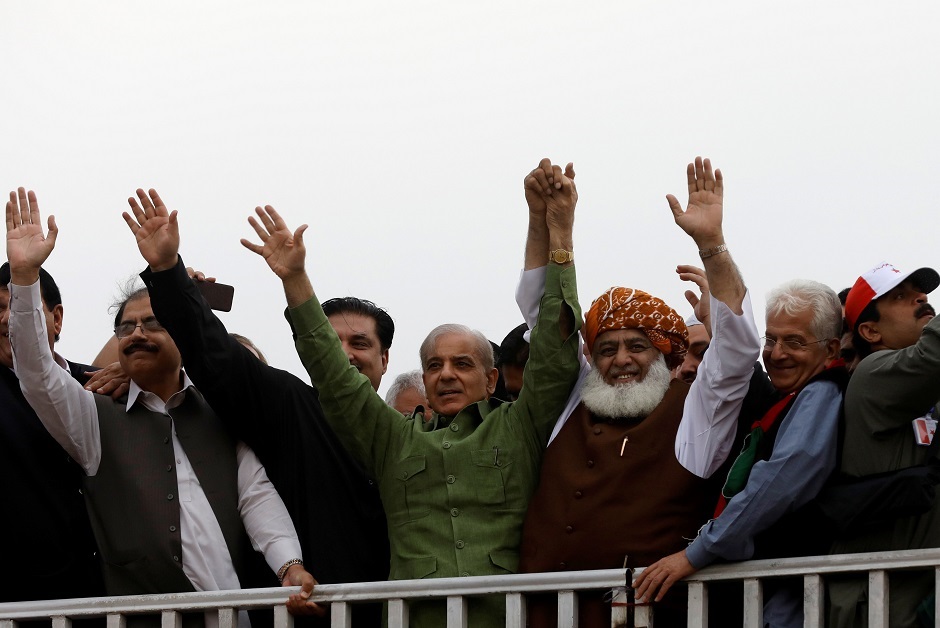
{"x": 455, "y": 488}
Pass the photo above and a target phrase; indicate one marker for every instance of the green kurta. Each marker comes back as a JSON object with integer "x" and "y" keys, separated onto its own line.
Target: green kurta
{"x": 455, "y": 489}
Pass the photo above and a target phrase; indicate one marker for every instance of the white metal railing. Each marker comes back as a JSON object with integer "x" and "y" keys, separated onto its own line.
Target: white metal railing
{"x": 341, "y": 597}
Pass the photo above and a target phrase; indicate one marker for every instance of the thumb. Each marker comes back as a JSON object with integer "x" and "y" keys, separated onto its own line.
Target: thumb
{"x": 53, "y": 230}
{"x": 691, "y": 298}
{"x": 299, "y": 236}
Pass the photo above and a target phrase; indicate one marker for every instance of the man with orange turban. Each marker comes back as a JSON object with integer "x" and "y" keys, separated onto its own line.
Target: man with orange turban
{"x": 624, "y": 480}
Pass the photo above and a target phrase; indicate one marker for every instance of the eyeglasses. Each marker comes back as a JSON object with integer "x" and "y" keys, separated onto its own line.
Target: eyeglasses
{"x": 150, "y": 324}
{"x": 789, "y": 344}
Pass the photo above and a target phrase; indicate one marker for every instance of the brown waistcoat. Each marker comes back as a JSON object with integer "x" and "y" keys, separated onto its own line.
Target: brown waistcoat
{"x": 593, "y": 506}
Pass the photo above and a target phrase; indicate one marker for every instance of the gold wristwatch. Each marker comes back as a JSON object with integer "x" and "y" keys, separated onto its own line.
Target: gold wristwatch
{"x": 561, "y": 256}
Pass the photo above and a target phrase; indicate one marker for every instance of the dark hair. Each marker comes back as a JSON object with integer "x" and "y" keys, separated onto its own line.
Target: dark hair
{"x": 384, "y": 325}
{"x": 514, "y": 349}
{"x": 843, "y": 294}
{"x": 133, "y": 295}
{"x": 869, "y": 314}
{"x": 47, "y": 287}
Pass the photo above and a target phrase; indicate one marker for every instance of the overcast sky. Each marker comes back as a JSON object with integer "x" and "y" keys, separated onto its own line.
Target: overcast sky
{"x": 401, "y": 133}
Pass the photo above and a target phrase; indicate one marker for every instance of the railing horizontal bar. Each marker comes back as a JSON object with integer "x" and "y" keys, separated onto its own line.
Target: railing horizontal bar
{"x": 349, "y": 592}
{"x": 448, "y": 587}
{"x": 907, "y": 559}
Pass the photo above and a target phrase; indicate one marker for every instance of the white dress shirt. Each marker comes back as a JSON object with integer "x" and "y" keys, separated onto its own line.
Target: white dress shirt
{"x": 709, "y": 417}
{"x": 69, "y": 413}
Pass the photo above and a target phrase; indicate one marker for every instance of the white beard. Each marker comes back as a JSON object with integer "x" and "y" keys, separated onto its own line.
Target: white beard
{"x": 631, "y": 399}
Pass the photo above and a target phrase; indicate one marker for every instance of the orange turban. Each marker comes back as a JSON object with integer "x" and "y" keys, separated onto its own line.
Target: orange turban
{"x": 626, "y": 308}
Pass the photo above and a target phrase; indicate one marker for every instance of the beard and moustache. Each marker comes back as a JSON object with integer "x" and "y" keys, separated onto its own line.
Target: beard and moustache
{"x": 630, "y": 399}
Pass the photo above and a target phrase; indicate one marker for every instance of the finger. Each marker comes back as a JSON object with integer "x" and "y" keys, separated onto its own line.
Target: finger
{"x": 33, "y": 208}
{"x": 121, "y": 390}
{"x": 556, "y": 177}
{"x": 719, "y": 183}
{"x": 699, "y": 174}
{"x": 254, "y": 248}
{"x": 545, "y": 165}
{"x": 691, "y": 298}
{"x": 159, "y": 207}
{"x": 665, "y": 586}
{"x": 698, "y": 280}
{"x": 145, "y": 203}
{"x": 13, "y": 215}
{"x": 266, "y": 219}
{"x": 690, "y": 177}
{"x": 137, "y": 209}
{"x": 641, "y": 584}
{"x": 131, "y": 223}
{"x": 674, "y": 206}
{"x": 9, "y": 217}
{"x": 279, "y": 223}
{"x": 569, "y": 170}
{"x": 261, "y": 231}
{"x": 709, "y": 175}
{"x": 541, "y": 181}
{"x": 24, "y": 206}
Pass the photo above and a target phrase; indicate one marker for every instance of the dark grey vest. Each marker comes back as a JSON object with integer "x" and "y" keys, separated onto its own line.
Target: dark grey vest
{"x": 132, "y": 501}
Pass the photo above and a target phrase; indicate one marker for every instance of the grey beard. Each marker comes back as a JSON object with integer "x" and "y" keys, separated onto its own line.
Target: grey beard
{"x": 632, "y": 399}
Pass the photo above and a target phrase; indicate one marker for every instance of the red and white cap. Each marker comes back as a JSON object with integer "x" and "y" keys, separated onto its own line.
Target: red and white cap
{"x": 879, "y": 280}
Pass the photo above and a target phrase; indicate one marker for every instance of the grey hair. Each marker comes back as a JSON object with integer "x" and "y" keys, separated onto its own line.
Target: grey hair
{"x": 798, "y": 295}
{"x": 411, "y": 379}
{"x": 484, "y": 349}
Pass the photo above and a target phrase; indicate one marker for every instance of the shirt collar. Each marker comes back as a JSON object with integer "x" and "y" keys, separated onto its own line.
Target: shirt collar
{"x": 134, "y": 391}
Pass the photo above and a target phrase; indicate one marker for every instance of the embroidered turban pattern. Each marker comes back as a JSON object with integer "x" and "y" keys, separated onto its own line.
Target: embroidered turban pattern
{"x": 626, "y": 308}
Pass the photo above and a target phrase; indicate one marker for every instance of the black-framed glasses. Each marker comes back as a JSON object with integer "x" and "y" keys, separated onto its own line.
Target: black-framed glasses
{"x": 150, "y": 324}
{"x": 789, "y": 344}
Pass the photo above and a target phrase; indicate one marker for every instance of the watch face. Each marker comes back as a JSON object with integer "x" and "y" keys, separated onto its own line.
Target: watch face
{"x": 560, "y": 257}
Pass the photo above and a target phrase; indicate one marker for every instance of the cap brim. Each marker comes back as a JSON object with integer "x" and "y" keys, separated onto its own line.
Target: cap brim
{"x": 926, "y": 279}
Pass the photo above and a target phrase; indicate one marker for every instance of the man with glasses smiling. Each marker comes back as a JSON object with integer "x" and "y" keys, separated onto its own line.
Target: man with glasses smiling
{"x": 176, "y": 504}
{"x": 786, "y": 459}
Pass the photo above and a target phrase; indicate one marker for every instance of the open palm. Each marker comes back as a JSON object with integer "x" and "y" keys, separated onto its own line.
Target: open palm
{"x": 283, "y": 250}
{"x": 155, "y": 229}
{"x": 27, "y": 245}
{"x": 703, "y": 215}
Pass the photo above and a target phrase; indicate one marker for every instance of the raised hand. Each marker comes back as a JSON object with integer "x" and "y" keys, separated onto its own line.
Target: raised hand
{"x": 700, "y": 304}
{"x": 27, "y": 246}
{"x": 156, "y": 230}
{"x": 544, "y": 182}
{"x": 282, "y": 249}
{"x": 702, "y": 217}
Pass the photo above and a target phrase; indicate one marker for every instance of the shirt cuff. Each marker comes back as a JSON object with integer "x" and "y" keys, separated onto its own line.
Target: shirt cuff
{"x": 25, "y": 299}
{"x": 169, "y": 276}
{"x": 698, "y": 556}
{"x": 307, "y": 317}
{"x": 279, "y": 552}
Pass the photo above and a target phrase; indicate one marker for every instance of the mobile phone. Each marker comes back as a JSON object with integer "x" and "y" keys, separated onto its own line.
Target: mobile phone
{"x": 218, "y": 295}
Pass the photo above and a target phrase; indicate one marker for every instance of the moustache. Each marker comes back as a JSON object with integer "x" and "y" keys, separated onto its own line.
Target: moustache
{"x": 923, "y": 310}
{"x": 141, "y": 346}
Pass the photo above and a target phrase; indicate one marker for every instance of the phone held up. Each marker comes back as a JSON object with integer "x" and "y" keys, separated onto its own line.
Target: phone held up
{"x": 218, "y": 295}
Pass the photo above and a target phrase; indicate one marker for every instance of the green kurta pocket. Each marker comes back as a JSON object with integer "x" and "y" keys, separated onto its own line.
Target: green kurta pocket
{"x": 412, "y": 477}
{"x": 488, "y": 479}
